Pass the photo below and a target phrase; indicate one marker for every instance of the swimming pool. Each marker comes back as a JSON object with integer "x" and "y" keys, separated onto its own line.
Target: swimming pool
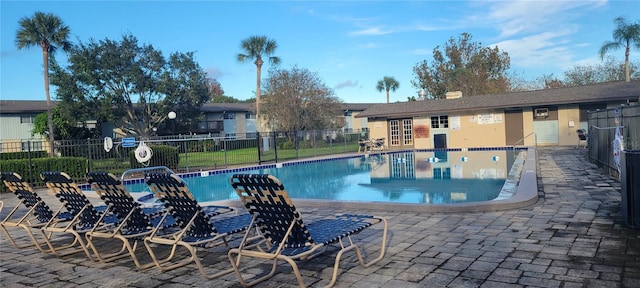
{"x": 410, "y": 177}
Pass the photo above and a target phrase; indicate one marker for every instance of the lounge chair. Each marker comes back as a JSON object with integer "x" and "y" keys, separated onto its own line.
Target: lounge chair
{"x": 582, "y": 138}
{"x": 200, "y": 228}
{"x": 38, "y": 213}
{"x": 289, "y": 237}
{"x": 134, "y": 221}
{"x": 86, "y": 217}
{"x": 363, "y": 145}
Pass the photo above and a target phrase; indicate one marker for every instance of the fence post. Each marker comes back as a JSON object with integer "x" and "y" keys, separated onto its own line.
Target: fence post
{"x": 224, "y": 149}
{"x": 296, "y": 143}
{"x": 344, "y": 137}
{"x": 30, "y": 162}
{"x": 89, "y": 154}
{"x": 259, "y": 150}
{"x": 186, "y": 153}
{"x": 275, "y": 145}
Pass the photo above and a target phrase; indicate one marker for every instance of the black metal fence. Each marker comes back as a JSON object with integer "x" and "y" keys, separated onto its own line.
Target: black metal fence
{"x": 201, "y": 152}
{"x": 604, "y": 149}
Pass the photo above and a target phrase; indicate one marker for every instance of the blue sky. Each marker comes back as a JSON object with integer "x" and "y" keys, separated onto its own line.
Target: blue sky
{"x": 350, "y": 44}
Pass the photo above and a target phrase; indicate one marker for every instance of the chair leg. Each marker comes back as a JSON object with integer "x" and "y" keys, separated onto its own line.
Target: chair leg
{"x": 77, "y": 240}
{"x": 235, "y": 264}
{"x": 383, "y": 248}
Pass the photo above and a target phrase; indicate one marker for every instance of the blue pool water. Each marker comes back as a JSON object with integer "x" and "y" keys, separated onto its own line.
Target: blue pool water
{"x": 406, "y": 177}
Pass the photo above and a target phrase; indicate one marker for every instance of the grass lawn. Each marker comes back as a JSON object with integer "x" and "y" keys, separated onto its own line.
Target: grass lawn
{"x": 220, "y": 159}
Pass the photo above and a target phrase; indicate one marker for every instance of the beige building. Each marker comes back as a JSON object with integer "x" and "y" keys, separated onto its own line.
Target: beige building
{"x": 541, "y": 117}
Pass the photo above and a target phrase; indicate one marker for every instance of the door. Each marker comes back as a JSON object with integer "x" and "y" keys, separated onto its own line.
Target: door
{"x": 440, "y": 144}
{"x": 514, "y": 127}
{"x": 401, "y": 134}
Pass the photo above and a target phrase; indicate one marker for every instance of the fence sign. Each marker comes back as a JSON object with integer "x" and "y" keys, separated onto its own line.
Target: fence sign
{"x": 129, "y": 142}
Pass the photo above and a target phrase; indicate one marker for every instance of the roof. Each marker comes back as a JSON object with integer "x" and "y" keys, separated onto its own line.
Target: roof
{"x": 23, "y": 106}
{"x": 227, "y": 107}
{"x": 357, "y": 106}
{"x": 39, "y": 106}
{"x": 602, "y": 92}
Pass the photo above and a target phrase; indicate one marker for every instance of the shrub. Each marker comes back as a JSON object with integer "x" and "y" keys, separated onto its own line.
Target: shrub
{"x": 288, "y": 145}
{"x": 76, "y": 167}
{"x": 23, "y": 155}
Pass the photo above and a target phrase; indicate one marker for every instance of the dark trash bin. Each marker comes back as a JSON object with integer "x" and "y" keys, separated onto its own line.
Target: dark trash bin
{"x": 630, "y": 180}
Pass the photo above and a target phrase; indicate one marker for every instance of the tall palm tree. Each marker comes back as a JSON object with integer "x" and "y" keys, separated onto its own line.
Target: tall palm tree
{"x": 387, "y": 84}
{"x": 625, "y": 35}
{"x": 254, "y": 48}
{"x": 48, "y": 32}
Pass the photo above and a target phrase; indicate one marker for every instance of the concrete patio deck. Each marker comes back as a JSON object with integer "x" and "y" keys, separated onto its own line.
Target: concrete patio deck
{"x": 572, "y": 237}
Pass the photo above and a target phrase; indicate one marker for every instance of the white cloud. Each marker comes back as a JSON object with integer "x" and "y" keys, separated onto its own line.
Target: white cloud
{"x": 214, "y": 72}
{"x": 346, "y": 84}
{"x": 542, "y": 49}
{"x": 371, "y": 31}
{"x": 526, "y": 16}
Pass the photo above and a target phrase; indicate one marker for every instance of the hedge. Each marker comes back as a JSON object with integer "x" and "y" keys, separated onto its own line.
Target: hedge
{"x": 76, "y": 167}
{"x": 23, "y": 155}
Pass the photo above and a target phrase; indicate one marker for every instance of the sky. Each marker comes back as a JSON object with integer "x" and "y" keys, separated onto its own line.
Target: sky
{"x": 349, "y": 44}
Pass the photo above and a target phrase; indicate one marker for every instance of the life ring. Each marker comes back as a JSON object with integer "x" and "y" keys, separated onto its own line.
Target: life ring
{"x": 143, "y": 153}
{"x": 108, "y": 144}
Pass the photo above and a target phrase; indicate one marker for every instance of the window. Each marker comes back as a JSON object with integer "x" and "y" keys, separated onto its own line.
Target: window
{"x": 542, "y": 112}
{"x": 249, "y": 115}
{"x": 440, "y": 122}
{"x": 26, "y": 119}
{"x": 31, "y": 146}
{"x": 229, "y": 116}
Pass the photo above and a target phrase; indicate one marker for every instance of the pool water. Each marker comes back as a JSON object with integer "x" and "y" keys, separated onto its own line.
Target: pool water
{"x": 407, "y": 177}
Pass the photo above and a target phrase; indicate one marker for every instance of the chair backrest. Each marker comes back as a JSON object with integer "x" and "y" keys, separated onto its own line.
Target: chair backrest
{"x": 71, "y": 196}
{"x": 180, "y": 203}
{"x": 582, "y": 134}
{"x": 114, "y": 194}
{"x": 267, "y": 200}
{"x": 26, "y": 194}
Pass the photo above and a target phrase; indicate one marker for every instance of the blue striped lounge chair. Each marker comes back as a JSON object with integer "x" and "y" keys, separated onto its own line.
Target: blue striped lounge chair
{"x": 38, "y": 213}
{"x": 86, "y": 216}
{"x": 200, "y": 227}
{"x": 289, "y": 237}
{"x": 134, "y": 221}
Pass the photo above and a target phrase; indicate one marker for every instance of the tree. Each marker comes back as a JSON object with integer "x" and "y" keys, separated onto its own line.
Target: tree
{"x": 550, "y": 81}
{"x": 133, "y": 86}
{"x": 48, "y": 32}
{"x": 297, "y": 99}
{"x": 254, "y": 48}
{"x": 625, "y": 35}
{"x": 387, "y": 84}
{"x": 64, "y": 126}
{"x": 215, "y": 89}
{"x": 608, "y": 71}
{"x": 464, "y": 66}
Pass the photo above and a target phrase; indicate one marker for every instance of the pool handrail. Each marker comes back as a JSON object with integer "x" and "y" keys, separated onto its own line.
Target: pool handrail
{"x": 143, "y": 169}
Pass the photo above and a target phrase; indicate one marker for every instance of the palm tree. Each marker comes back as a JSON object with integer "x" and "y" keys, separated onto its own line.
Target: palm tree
{"x": 47, "y": 31}
{"x": 625, "y": 35}
{"x": 254, "y": 48}
{"x": 387, "y": 83}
